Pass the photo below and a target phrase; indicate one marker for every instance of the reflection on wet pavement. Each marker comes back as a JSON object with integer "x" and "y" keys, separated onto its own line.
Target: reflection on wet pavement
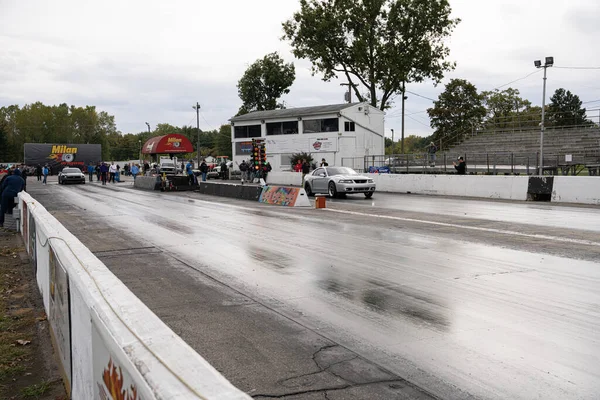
{"x": 443, "y": 311}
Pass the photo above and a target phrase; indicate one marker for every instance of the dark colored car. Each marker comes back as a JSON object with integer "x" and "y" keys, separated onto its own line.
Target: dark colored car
{"x": 71, "y": 175}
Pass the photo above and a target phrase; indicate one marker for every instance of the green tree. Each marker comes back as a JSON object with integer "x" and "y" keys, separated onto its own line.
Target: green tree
{"x": 504, "y": 107}
{"x": 376, "y": 45}
{"x": 264, "y": 82}
{"x": 565, "y": 109}
{"x": 223, "y": 141}
{"x": 458, "y": 109}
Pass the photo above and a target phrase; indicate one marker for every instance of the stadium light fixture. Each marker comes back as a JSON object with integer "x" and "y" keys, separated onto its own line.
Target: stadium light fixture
{"x": 549, "y": 61}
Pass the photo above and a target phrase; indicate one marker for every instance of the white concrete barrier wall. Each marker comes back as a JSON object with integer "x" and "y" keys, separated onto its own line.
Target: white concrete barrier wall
{"x": 576, "y": 189}
{"x": 284, "y": 178}
{"x": 107, "y": 323}
{"x": 485, "y": 186}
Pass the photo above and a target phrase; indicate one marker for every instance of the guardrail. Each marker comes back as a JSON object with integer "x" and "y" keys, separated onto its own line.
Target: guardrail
{"x": 480, "y": 163}
{"x": 106, "y": 340}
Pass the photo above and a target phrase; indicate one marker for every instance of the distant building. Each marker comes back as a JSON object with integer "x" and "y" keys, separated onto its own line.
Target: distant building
{"x": 341, "y": 133}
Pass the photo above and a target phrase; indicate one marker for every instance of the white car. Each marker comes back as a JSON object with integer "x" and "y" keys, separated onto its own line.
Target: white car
{"x": 336, "y": 181}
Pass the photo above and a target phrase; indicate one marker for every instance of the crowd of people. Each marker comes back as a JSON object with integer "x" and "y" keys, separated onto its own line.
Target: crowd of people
{"x": 14, "y": 180}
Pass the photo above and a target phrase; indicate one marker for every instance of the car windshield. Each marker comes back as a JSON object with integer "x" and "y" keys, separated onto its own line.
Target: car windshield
{"x": 71, "y": 171}
{"x": 341, "y": 171}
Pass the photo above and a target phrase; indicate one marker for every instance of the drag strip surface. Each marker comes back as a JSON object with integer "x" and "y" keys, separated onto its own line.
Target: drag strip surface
{"x": 418, "y": 297}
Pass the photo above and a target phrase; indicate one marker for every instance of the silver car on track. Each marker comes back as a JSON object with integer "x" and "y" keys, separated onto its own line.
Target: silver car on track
{"x": 71, "y": 175}
{"x": 336, "y": 181}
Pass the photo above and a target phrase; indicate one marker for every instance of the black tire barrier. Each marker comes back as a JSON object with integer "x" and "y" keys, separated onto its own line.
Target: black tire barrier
{"x": 234, "y": 191}
{"x": 540, "y": 188}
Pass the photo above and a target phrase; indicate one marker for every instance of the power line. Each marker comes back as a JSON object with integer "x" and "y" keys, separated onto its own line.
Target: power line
{"x": 418, "y": 95}
{"x": 517, "y": 80}
{"x": 578, "y": 67}
{"x": 416, "y": 120}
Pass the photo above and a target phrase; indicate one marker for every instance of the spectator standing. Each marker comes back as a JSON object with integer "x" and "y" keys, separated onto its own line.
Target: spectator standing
{"x": 305, "y": 170}
{"x": 103, "y": 172}
{"x": 203, "y": 170}
{"x": 244, "y": 170}
{"x": 126, "y": 169}
{"x": 12, "y": 185}
{"x": 91, "y": 170}
{"x": 224, "y": 170}
{"x": 431, "y": 150}
{"x": 324, "y": 163}
{"x": 298, "y": 166}
{"x": 38, "y": 172}
{"x": 134, "y": 171}
{"x": 24, "y": 175}
{"x": 461, "y": 167}
{"x": 266, "y": 169}
{"x": 45, "y": 172}
{"x": 146, "y": 168}
{"x": 189, "y": 169}
{"x": 112, "y": 170}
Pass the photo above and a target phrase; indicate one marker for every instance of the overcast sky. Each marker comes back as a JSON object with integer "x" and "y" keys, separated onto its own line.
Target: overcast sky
{"x": 152, "y": 60}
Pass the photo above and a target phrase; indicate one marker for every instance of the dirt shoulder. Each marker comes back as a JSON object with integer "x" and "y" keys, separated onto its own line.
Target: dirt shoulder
{"x": 28, "y": 368}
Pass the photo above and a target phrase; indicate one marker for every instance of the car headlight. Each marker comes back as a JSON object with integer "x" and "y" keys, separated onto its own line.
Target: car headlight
{"x": 345, "y": 181}
{"x": 370, "y": 181}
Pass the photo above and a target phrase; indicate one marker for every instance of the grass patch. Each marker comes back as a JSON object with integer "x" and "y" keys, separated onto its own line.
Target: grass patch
{"x": 36, "y": 391}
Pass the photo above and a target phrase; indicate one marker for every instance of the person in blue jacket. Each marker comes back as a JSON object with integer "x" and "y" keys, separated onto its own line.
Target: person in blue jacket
{"x": 91, "y": 169}
{"x": 12, "y": 185}
{"x": 45, "y": 171}
{"x": 135, "y": 170}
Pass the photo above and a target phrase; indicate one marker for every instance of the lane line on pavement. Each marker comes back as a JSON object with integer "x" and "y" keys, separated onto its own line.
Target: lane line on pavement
{"x": 473, "y": 228}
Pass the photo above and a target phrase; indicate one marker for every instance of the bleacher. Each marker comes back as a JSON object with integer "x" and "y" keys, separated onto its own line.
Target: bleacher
{"x": 580, "y": 145}
{"x": 556, "y": 142}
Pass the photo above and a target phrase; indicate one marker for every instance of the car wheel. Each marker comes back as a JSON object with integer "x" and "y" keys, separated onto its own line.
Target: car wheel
{"x": 332, "y": 190}
{"x": 308, "y": 189}
{"x": 368, "y": 195}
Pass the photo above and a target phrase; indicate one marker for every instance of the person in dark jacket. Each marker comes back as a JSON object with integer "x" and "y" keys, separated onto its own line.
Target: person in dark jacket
{"x": 12, "y": 185}
{"x": 203, "y": 170}
{"x": 305, "y": 170}
{"x": 265, "y": 170}
{"x": 461, "y": 167}
{"x": 224, "y": 171}
{"x": 103, "y": 172}
{"x": 24, "y": 175}
{"x": 38, "y": 172}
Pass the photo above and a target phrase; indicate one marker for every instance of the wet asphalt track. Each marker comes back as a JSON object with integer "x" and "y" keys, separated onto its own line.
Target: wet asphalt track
{"x": 462, "y": 298}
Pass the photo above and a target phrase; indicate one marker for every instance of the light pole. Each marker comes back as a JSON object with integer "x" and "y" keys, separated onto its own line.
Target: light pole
{"x": 140, "y": 153}
{"x": 148, "y": 127}
{"x": 197, "y": 107}
{"x": 538, "y": 64}
{"x": 392, "y": 141}
{"x": 403, "y": 98}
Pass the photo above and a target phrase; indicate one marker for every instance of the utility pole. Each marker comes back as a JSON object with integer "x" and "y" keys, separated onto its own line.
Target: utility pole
{"x": 403, "y": 98}
{"x": 197, "y": 107}
{"x": 392, "y": 141}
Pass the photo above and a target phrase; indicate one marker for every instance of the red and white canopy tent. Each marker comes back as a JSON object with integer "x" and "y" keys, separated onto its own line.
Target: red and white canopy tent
{"x": 168, "y": 144}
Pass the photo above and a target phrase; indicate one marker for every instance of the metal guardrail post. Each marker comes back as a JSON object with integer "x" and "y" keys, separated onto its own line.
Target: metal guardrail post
{"x": 487, "y": 159}
{"x": 527, "y": 165}
{"x": 407, "y": 163}
{"x": 495, "y": 164}
{"x": 512, "y": 163}
{"x": 445, "y": 163}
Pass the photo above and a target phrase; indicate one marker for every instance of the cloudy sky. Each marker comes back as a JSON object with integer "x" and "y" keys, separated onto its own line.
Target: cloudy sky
{"x": 152, "y": 60}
